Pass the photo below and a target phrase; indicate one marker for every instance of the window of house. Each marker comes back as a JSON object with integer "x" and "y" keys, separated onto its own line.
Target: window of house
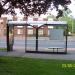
{"x": 19, "y": 26}
{"x": 40, "y": 31}
{"x": 30, "y": 31}
{"x": 1, "y": 21}
{"x": 19, "y": 31}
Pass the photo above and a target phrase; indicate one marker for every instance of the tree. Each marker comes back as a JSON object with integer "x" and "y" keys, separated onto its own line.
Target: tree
{"x": 69, "y": 18}
{"x": 31, "y": 7}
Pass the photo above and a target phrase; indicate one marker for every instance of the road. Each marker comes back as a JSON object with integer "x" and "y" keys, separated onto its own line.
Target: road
{"x": 43, "y": 42}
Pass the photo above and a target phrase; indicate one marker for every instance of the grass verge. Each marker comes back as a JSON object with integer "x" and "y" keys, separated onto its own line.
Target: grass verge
{"x": 3, "y": 49}
{"x": 28, "y": 66}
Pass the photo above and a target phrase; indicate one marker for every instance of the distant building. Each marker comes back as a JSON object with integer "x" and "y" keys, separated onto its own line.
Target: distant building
{"x": 20, "y": 30}
{"x": 3, "y": 26}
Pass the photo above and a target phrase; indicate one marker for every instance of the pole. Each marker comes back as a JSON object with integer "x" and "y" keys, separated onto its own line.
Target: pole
{"x": 72, "y": 25}
{"x": 25, "y": 38}
{"x": 7, "y": 37}
{"x": 66, "y": 38}
{"x": 37, "y": 39}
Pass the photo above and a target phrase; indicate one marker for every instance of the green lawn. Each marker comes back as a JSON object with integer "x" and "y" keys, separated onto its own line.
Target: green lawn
{"x": 28, "y": 66}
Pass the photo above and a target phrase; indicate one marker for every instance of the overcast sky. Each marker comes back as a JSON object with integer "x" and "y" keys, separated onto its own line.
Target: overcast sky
{"x": 72, "y": 7}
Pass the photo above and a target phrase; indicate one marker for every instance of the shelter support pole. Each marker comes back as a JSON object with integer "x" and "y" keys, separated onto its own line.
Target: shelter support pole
{"x": 10, "y": 38}
{"x": 7, "y": 37}
{"x": 66, "y": 38}
{"x": 25, "y": 38}
{"x": 37, "y": 39}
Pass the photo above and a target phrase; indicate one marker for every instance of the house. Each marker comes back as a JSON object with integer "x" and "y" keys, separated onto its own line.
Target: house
{"x": 20, "y": 30}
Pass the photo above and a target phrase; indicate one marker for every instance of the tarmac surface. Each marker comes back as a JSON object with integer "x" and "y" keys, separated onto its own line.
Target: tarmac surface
{"x": 69, "y": 56}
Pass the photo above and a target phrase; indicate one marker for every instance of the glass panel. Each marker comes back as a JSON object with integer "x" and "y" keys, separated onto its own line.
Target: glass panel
{"x": 30, "y": 40}
{"x": 19, "y": 31}
{"x": 30, "y": 31}
{"x": 19, "y": 40}
{"x": 19, "y": 26}
{"x": 40, "y": 32}
{"x": 52, "y": 40}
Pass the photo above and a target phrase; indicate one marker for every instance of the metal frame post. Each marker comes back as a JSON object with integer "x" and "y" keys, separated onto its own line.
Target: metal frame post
{"x": 37, "y": 39}
{"x": 66, "y": 38}
{"x": 7, "y": 37}
{"x": 25, "y": 38}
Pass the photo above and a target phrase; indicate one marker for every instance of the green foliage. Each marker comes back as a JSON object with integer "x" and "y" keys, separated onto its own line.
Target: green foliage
{"x": 70, "y": 22}
{"x": 69, "y": 19}
{"x": 32, "y": 7}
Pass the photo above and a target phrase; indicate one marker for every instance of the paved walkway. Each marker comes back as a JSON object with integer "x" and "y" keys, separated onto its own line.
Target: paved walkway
{"x": 69, "y": 56}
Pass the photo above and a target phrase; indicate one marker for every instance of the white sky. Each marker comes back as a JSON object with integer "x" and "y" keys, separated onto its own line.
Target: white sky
{"x": 72, "y": 7}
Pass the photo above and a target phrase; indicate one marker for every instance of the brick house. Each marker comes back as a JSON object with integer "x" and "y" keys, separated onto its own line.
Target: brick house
{"x": 3, "y": 26}
{"x": 20, "y": 30}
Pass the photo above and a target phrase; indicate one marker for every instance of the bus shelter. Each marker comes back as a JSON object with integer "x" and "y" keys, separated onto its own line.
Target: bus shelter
{"x": 54, "y": 42}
